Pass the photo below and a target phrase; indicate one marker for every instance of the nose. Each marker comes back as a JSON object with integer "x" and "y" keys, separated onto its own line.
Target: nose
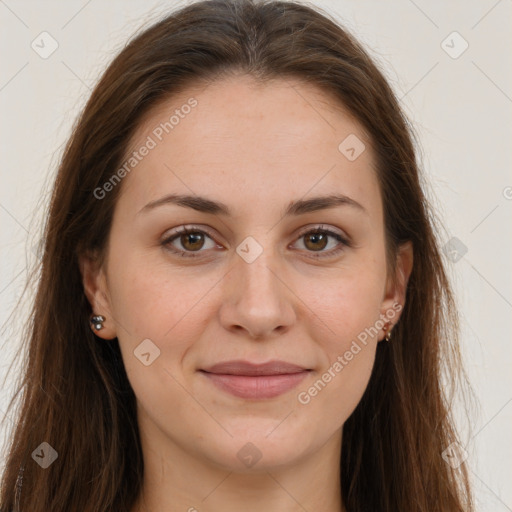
{"x": 256, "y": 300}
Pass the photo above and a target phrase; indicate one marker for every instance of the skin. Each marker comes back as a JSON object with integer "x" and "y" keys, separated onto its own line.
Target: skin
{"x": 255, "y": 148}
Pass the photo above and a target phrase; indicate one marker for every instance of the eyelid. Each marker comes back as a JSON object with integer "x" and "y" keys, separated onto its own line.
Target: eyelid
{"x": 322, "y": 227}
{"x": 344, "y": 240}
{"x": 181, "y": 230}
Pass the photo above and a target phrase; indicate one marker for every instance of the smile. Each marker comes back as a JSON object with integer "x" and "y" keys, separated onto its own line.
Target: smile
{"x": 255, "y": 381}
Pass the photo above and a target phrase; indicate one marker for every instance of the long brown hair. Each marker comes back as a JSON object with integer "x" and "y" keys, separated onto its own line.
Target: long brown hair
{"x": 74, "y": 389}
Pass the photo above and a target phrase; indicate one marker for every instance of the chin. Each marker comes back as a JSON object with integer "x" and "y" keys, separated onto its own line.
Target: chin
{"x": 256, "y": 449}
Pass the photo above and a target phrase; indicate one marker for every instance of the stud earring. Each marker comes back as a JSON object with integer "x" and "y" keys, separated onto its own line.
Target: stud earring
{"x": 97, "y": 322}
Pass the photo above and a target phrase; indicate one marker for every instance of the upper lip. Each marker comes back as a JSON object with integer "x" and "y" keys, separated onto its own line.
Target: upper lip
{"x": 239, "y": 367}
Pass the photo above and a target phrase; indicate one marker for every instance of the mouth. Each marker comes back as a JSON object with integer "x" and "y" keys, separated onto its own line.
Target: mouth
{"x": 255, "y": 381}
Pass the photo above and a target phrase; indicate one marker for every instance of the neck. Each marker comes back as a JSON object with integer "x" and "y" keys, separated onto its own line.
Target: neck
{"x": 178, "y": 481}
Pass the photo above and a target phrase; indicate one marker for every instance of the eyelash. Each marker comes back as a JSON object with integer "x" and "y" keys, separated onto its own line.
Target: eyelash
{"x": 183, "y": 230}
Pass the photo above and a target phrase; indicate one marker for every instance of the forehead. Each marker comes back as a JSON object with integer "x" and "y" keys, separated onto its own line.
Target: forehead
{"x": 250, "y": 144}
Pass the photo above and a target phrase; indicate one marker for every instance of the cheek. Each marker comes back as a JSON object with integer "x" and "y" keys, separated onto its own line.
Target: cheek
{"x": 150, "y": 301}
{"x": 338, "y": 389}
{"x": 151, "y": 304}
{"x": 347, "y": 360}
{"x": 348, "y": 309}
{"x": 170, "y": 310}
{"x": 346, "y": 305}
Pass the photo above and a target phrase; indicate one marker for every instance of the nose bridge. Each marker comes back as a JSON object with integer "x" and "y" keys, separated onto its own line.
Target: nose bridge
{"x": 255, "y": 298}
{"x": 257, "y": 278}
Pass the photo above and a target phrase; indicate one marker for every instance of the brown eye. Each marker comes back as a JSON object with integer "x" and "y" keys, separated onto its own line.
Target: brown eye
{"x": 316, "y": 241}
{"x": 189, "y": 242}
{"x": 192, "y": 241}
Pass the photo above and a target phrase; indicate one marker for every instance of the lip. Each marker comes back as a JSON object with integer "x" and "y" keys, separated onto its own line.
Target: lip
{"x": 255, "y": 381}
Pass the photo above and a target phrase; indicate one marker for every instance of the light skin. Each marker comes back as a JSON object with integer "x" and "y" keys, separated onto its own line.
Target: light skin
{"x": 256, "y": 149}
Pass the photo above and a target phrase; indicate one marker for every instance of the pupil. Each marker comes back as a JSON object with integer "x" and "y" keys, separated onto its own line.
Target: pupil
{"x": 194, "y": 238}
{"x": 317, "y": 237}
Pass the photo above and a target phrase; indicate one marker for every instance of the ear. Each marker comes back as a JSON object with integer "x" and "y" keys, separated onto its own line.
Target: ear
{"x": 396, "y": 288}
{"x": 96, "y": 290}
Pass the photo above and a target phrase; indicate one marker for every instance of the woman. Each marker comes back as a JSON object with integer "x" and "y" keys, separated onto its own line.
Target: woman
{"x": 242, "y": 302}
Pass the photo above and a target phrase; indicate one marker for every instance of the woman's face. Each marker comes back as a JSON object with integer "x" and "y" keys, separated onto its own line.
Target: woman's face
{"x": 274, "y": 270}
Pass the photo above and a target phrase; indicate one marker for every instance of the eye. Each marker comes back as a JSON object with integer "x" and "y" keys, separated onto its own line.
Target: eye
{"x": 188, "y": 242}
{"x": 317, "y": 239}
{"x": 191, "y": 240}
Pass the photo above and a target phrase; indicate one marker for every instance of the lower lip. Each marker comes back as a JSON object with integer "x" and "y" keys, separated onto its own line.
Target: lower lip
{"x": 252, "y": 386}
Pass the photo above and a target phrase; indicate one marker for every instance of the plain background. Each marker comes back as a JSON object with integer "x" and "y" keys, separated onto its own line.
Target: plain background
{"x": 460, "y": 106}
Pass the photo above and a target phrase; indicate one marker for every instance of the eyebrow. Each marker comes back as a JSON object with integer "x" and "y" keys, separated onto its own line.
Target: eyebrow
{"x": 299, "y": 207}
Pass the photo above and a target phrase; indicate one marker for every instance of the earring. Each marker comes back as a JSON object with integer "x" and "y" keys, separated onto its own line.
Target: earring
{"x": 387, "y": 329}
{"x": 97, "y": 322}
